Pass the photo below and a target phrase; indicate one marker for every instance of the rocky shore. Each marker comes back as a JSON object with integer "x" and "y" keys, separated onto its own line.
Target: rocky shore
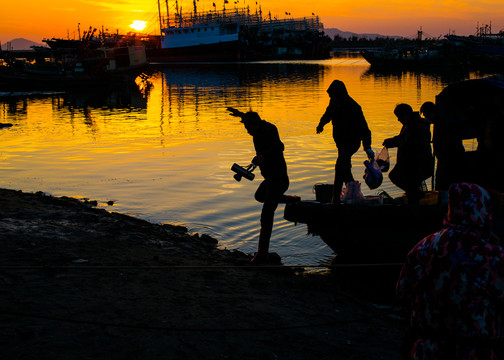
{"x": 83, "y": 283}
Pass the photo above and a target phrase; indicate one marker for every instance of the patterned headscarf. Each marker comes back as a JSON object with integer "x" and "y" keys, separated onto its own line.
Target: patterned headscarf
{"x": 469, "y": 206}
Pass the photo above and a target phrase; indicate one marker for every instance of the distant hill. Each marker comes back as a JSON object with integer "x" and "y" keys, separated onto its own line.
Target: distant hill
{"x": 20, "y": 44}
{"x": 331, "y": 32}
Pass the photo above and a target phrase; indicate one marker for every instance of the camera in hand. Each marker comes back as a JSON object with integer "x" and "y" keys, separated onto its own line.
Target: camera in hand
{"x": 243, "y": 172}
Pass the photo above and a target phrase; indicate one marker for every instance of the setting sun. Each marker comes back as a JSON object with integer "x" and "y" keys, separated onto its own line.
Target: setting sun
{"x": 138, "y": 25}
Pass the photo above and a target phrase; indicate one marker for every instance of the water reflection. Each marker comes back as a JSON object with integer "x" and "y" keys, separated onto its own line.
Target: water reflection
{"x": 78, "y": 101}
{"x": 239, "y": 74}
{"x": 207, "y": 76}
{"x": 127, "y": 97}
{"x": 14, "y": 106}
{"x": 198, "y": 86}
{"x": 443, "y": 75}
{"x": 110, "y": 98}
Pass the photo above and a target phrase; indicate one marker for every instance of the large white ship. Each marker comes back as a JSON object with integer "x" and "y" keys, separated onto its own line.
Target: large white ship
{"x": 230, "y": 34}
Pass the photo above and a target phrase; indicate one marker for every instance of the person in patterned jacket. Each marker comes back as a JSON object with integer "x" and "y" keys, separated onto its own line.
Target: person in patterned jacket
{"x": 452, "y": 283}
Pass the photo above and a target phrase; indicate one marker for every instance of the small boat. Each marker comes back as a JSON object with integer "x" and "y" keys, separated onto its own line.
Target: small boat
{"x": 383, "y": 230}
{"x": 369, "y": 231}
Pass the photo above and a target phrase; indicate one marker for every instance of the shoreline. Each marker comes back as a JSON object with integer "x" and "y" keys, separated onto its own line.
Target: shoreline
{"x": 82, "y": 282}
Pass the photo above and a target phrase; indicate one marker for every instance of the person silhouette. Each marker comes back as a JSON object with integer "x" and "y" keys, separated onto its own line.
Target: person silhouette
{"x": 270, "y": 160}
{"x": 349, "y": 130}
{"x": 415, "y": 162}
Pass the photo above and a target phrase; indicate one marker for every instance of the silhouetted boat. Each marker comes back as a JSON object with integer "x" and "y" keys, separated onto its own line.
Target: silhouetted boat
{"x": 475, "y": 51}
{"x": 412, "y": 57}
{"x": 484, "y": 50}
{"x": 424, "y": 54}
{"x": 90, "y": 39}
{"x": 82, "y": 68}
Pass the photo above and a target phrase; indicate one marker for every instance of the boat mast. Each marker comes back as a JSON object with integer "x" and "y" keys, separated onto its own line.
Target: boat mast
{"x": 167, "y": 14}
{"x": 419, "y": 39}
{"x": 160, "y": 19}
{"x": 178, "y": 13}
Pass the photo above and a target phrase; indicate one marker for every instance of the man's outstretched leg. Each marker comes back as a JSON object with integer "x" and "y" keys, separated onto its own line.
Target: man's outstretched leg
{"x": 267, "y": 217}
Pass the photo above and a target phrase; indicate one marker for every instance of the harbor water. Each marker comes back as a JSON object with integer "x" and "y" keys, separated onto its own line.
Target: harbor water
{"x": 163, "y": 151}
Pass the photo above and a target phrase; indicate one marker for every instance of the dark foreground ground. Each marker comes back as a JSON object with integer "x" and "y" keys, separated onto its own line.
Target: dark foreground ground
{"x": 77, "y": 282}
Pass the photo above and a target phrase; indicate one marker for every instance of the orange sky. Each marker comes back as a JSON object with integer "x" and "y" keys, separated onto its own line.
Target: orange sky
{"x": 35, "y": 20}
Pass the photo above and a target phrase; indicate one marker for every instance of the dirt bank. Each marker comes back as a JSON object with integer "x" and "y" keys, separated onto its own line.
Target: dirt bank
{"x": 83, "y": 283}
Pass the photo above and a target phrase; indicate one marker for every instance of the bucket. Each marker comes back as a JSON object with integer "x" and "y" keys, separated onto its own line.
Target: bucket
{"x": 323, "y": 192}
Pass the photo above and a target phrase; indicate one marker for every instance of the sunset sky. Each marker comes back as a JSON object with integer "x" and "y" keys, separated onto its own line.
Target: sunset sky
{"x": 35, "y": 20}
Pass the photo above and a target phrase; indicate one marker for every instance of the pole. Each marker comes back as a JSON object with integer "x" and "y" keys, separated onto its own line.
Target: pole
{"x": 160, "y": 19}
{"x": 167, "y": 14}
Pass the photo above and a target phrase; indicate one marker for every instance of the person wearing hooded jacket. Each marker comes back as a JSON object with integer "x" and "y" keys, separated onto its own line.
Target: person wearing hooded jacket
{"x": 349, "y": 130}
{"x": 415, "y": 162}
{"x": 452, "y": 284}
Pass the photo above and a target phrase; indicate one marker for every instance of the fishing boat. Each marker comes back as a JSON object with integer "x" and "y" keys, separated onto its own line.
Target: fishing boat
{"x": 411, "y": 58}
{"x": 384, "y": 229}
{"x": 83, "y": 67}
{"x": 423, "y": 54}
{"x": 196, "y": 36}
{"x": 92, "y": 38}
{"x": 485, "y": 50}
{"x": 235, "y": 34}
{"x": 477, "y": 51}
